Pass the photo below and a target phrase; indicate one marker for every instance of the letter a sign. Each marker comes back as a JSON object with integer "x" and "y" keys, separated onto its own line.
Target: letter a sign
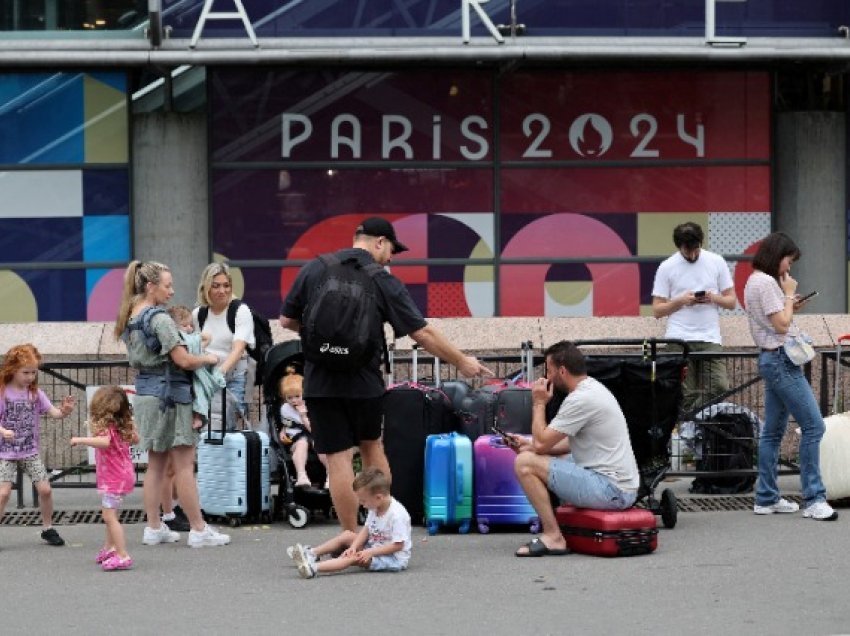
{"x": 208, "y": 14}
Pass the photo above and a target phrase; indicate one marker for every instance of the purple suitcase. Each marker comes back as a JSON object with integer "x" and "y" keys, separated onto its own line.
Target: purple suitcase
{"x": 499, "y": 498}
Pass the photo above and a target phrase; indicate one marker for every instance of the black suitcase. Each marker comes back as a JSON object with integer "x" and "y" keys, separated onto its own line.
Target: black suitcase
{"x": 508, "y": 404}
{"x": 412, "y": 412}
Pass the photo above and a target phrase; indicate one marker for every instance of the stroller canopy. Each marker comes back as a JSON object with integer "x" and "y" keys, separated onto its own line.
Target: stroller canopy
{"x": 279, "y": 357}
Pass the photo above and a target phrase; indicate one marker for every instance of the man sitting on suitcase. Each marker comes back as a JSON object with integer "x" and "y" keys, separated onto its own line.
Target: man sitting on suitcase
{"x": 583, "y": 455}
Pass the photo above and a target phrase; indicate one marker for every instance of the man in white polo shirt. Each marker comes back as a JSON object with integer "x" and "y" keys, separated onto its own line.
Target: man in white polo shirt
{"x": 690, "y": 287}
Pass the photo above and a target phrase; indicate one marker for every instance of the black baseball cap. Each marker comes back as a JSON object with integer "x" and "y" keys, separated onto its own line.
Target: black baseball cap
{"x": 376, "y": 226}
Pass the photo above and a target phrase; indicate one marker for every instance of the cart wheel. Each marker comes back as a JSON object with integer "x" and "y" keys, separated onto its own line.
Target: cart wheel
{"x": 298, "y": 517}
{"x": 669, "y": 508}
{"x": 433, "y": 527}
{"x": 234, "y": 522}
{"x": 483, "y": 527}
{"x": 464, "y": 527}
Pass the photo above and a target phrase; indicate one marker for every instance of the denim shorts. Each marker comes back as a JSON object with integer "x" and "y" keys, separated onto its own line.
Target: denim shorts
{"x": 585, "y": 488}
{"x": 387, "y": 563}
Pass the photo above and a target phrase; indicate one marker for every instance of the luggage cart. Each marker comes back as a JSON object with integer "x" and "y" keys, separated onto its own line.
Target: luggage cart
{"x": 647, "y": 382}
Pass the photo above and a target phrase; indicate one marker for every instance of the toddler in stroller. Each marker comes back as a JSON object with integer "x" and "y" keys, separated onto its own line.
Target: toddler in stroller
{"x": 286, "y": 360}
{"x": 295, "y": 426}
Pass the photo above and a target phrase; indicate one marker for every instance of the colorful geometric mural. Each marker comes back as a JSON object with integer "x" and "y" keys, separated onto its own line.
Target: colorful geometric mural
{"x": 566, "y": 201}
{"x": 65, "y": 194}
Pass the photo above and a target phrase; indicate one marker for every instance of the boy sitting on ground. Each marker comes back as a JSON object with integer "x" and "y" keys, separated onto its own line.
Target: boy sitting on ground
{"x": 383, "y": 544}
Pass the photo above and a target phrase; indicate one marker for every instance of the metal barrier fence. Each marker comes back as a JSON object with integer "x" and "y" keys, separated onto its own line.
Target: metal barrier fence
{"x": 69, "y": 466}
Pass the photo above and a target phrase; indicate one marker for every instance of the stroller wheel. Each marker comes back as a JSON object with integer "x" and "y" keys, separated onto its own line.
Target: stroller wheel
{"x": 298, "y": 517}
{"x": 669, "y": 508}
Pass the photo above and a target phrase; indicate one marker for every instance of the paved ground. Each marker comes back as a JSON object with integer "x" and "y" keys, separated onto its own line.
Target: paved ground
{"x": 715, "y": 572}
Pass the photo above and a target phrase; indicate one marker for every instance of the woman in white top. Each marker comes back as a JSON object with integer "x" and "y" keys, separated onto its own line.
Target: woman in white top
{"x": 771, "y": 299}
{"x": 215, "y": 293}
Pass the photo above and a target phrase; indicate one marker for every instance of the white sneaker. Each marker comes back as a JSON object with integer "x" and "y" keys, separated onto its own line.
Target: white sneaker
{"x": 153, "y": 536}
{"x": 307, "y": 570}
{"x": 209, "y": 536}
{"x": 292, "y": 551}
{"x": 782, "y": 506}
{"x": 302, "y": 554}
{"x": 821, "y": 511}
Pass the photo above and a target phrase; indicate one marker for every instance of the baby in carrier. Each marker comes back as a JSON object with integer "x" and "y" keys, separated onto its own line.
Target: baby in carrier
{"x": 295, "y": 429}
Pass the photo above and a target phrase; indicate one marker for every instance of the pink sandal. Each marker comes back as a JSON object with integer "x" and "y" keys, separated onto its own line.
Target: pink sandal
{"x": 115, "y": 562}
{"x": 104, "y": 554}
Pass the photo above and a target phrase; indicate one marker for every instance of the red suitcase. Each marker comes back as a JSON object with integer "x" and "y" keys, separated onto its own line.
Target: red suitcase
{"x": 608, "y": 532}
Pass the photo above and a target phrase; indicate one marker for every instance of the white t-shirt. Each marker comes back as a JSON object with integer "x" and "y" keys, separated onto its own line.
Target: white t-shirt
{"x": 393, "y": 526}
{"x": 222, "y": 338}
{"x": 676, "y": 276}
{"x": 599, "y": 436}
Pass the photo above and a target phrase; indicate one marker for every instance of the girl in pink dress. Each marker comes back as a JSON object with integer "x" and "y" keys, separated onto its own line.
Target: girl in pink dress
{"x": 111, "y": 423}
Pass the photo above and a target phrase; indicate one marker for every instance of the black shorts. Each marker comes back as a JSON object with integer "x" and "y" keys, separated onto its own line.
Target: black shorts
{"x": 341, "y": 423}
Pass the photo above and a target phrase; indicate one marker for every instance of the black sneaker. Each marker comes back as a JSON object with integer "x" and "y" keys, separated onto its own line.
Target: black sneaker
{"x": 52, "y": 537}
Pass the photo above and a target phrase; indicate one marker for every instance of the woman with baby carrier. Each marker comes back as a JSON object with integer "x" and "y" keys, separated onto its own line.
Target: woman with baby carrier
{"x": 163, "y": 402}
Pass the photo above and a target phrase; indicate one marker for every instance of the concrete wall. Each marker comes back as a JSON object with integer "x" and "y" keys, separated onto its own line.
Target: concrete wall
{"x": 170, "y": 196}
{"x": 94, "y": 340}
{"x": 810, "y": 186}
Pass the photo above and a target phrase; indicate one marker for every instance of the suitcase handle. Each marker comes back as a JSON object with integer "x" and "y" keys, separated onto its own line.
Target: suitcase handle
{"x": 209, "y": 438}
{"x": 496, "y": 441}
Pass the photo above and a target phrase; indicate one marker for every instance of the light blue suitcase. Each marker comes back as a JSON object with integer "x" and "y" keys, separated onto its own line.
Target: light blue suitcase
{"x": 233, "y": 476}
{"x": 448, "y": 482}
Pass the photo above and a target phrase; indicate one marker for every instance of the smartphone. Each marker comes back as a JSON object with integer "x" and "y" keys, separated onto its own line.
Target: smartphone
{"x": 807, "y": 297}
{"x": 509, "y": 441}
{"x": 699, "y": 294}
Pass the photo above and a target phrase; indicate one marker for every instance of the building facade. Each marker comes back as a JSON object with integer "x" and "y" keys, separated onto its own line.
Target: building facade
{"x": 535, "y": 156}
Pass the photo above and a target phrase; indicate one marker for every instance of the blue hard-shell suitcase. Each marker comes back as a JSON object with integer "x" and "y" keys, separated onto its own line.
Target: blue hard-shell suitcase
{"x": 448, "y": 482}
{"x": 233, "y": 475}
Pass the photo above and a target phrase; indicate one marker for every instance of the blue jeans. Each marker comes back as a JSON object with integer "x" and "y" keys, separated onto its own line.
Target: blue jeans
{"x": 787, "y": 391}
{"x": 236, "y": 383}
{"x": 585, "y": 488}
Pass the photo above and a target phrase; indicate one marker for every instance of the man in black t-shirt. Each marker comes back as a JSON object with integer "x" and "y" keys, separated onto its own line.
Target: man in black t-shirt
{"x": 345, "y": 407}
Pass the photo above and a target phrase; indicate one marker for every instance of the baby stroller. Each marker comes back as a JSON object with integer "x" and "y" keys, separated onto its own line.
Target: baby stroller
{"x": 648, "y": 386}
{"x": 295, "y": 504}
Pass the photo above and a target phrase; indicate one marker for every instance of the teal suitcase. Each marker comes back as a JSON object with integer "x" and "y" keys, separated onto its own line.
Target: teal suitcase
{"x": 448, "y": 482}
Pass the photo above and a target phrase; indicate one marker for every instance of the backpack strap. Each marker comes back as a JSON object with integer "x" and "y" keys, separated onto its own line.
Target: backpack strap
{"x": 203, "y": 312}
{"x": 142, "y": 323}
{"x": 372, "y": 270}
{"x": 232, "y": 308}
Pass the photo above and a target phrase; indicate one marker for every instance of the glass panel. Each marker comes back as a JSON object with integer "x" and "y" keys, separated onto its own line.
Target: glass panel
{"x": 439, "y": 291}
{"x": 72, "y": 15}
{"x": 391, "y": 18}
{"x": 267, "y": 115}
{"x": 60, "y": 294}
{"x": 311, "y": 211}
{"x": 63, "y": 118}
{"x": 612, "y": 116}
{"x": 617, "y": 190}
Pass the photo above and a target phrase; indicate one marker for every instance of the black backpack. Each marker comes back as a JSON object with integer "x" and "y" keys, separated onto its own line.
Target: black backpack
{"x": 262, "y": 334}
{"x": 340, "y": 326}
